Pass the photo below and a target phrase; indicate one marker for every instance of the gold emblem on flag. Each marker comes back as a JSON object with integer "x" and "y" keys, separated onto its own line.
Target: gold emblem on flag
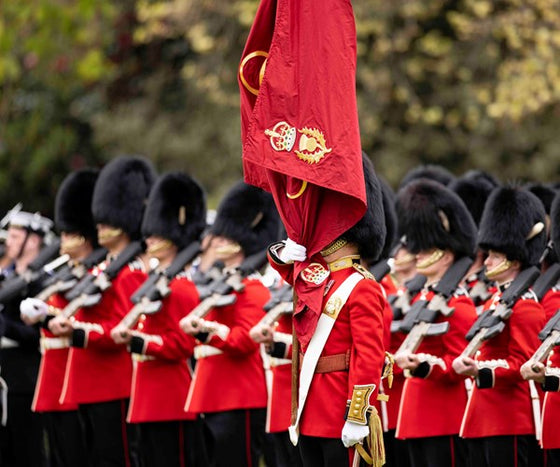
{"x": 312, "y": 145}
{"x": 282, "y": 136}
{"x": 315, "y": 273}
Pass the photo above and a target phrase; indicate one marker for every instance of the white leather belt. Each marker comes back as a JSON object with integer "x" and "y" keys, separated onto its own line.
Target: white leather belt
{"x": 138, "y": 357}
{"x": 7, "y": 343}
{"x": 203, "y": 351}
{"x": 53, "y": 343}
{"x": 279, "y": 361}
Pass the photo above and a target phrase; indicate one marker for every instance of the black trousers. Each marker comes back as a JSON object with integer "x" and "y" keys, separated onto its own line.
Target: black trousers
{"x": 396, "y": 450}
{"x": 500, "y": 451}
{"x": 65, "y": 439}
{"x": 21, "y": 440}
{"x": 110, "y": 441}
{"x": 437, "y": 451}
{"x": 322, "y": 452}
{"x": 171, "y": 444}
{"x": 552, "y": 457}
{"x": 285, "y": 453}
{"x": 235, "y": 437}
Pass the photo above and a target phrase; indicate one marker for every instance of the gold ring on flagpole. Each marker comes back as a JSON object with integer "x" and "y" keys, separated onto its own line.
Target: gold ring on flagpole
{"x": 257, "y": 53}
{"x": 299, "y": 193}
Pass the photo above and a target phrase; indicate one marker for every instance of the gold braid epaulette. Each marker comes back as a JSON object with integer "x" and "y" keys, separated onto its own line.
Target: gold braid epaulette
{"x": 363, "y": 271}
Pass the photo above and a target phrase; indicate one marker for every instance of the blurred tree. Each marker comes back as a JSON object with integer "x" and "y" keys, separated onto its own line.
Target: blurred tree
{"x": 463, "y": 83}
{"x": 52, "y": 55}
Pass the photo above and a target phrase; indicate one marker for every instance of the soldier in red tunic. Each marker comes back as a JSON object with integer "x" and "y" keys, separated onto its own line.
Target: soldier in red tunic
{"x": 346, "y": 363}
{"x": 99, "y": 372}
{"x": 74, "y": 220}
{"x": 277, "y": 339}
{"x": 499, "y": 419}
{"x": 549, "y": 376}
{"x": 440, "y": 231}
{"x": 174, "y": 218}
{"x": 229, "y": 383}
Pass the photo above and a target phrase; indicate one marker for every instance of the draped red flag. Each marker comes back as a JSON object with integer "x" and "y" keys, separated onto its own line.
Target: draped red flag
{"x": 300, "y": 133}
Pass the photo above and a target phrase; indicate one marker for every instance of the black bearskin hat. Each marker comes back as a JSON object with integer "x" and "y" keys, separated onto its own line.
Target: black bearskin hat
{"x": 555, "y": 224}
{"x": 473, "y": 188}
{"x": 389, "y": 199}
{"x": 248, "y": 216}
{"x": 176, "y": 209}
{"x": 544, "y": 193}
{"x": 72, "y": 206}
{"x": 370, "y": 231}
{"x": 434, "y": 172}
{"x": 432, "y": 216}
{"x": 513, "y": 223}
{"x": 121, "y": 192}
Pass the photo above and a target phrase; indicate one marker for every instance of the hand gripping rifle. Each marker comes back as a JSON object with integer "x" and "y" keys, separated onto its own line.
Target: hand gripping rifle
{"x": 39, "y": 270}
{"x": 400, "y": 302}
{"x": 89, "y": 290}
{"x": 419, "y": 321}
{"x": 69, "y": 275}
{"x": 148, "y": 297}
{"x": 492, "y": 322}
{"x": 220, "y": 292}
{"x": 281, "y": 303}
{"x": 550, "y": 337}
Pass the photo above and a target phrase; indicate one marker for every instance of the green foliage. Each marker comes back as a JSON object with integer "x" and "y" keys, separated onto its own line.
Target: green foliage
{"x": 463, "y": 83}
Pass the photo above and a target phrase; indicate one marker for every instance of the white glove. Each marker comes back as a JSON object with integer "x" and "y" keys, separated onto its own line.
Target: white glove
{"x": 353, "y": 433}
{"x": 292, "y": 252}
{"x": 33, "y": 309}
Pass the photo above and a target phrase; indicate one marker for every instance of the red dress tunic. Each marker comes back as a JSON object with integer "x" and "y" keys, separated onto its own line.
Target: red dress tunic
{"x": 357, "y": 330}
{"x": 433, "y": 405}
{"x": 500, "y": 403}
{"x": 280, "y": 399}
{"x": 52, "y": 369}
{"x": 161, "y": 379}
{"x": 551, "y": 406}
{"x": 101, "y": 370}
{"x": 233, "y": 379}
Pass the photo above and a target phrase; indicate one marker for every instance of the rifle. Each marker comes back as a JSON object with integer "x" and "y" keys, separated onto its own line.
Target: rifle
{"x": 281, "y": 303}
{"x": 492, "y": 321}
{"x": 419, "y": 321}
{"x": 88, "y": 291}
{"x": 400, "y": 302}
{"x": 148, "y": 297}
{"x": 202, "y": 279}
{"x": 546, "y": 281}
{"x": 550, "y": 337}
{"x": 220, "y": 292}
{"x": 5, "y": 221}
{"x": 40, "y": 269}
{"x": 381, "y": 269}
{"x": 479, "y": 293}
{"x": 68, "y": 275}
